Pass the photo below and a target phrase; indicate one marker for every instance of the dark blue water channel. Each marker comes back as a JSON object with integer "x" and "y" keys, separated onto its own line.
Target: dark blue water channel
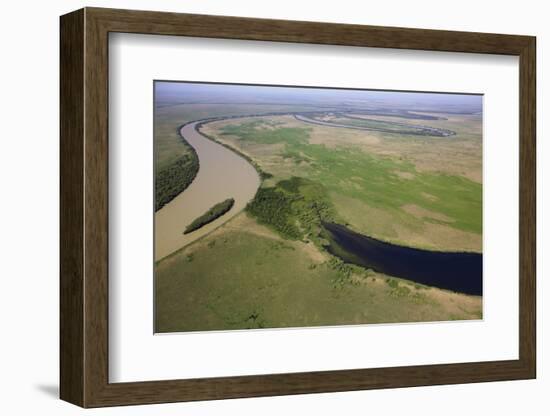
{"x": 459, "y": 272}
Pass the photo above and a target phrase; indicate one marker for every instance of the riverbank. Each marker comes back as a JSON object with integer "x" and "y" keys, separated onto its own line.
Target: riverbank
{"x": 222, "y": 175}
{"x": 458, "y": 272}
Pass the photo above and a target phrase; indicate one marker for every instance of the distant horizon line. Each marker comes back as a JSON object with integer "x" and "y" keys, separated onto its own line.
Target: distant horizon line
{"x": 315, "y": 87}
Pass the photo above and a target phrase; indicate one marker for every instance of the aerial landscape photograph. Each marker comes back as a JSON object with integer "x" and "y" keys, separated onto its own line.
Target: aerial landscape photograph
{"x": 290, "y": 206}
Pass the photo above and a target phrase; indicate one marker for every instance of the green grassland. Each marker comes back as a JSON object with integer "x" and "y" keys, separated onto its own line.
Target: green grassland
{"x": 383, "y": 183}
{"x": 255, "y": 131}
{"x": 234, "y": 279}
{"x": 459, "y": 155}
{"x": 370, "y": 123}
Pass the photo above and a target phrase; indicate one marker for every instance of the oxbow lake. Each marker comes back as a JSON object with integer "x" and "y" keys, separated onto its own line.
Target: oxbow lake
{"x": 459, "y": 272}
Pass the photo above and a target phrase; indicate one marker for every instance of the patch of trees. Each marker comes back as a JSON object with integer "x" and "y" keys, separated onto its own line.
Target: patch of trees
{"x": 175, "y": 178}
{"x": 294, "y": 208}
{"x": 292, "y": 185}
{"x": 213, "y": 213}
{"x": 273, "y": 207}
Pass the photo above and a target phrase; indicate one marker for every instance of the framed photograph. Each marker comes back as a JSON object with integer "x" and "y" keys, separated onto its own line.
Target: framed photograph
{"x": 263, "y": 207}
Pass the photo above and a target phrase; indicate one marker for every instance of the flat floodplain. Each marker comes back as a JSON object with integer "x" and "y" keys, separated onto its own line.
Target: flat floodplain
{"x": 400, "y": 170}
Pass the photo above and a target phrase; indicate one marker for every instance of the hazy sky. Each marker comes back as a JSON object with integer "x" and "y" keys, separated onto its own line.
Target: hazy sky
{"x": 183, "y": 92}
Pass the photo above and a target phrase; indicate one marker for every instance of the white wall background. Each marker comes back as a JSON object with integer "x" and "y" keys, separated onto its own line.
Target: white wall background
{"x": 29, "y": 212}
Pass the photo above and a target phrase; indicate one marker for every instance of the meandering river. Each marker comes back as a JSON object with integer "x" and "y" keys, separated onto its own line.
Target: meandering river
{"x": 222, "y": 174}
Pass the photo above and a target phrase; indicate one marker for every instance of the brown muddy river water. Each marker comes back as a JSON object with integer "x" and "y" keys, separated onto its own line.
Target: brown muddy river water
{"x": 222, "y": 174}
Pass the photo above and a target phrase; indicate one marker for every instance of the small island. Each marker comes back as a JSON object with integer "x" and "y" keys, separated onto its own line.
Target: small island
{"x": 212, "y": 214}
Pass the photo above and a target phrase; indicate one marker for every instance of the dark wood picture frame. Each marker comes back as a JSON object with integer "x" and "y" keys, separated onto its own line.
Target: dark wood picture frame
{"x": 84, "y": 207}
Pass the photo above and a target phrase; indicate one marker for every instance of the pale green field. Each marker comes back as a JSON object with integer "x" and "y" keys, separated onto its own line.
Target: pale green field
{"x": 244, "y": 276}
{"x": 382, "y": 186}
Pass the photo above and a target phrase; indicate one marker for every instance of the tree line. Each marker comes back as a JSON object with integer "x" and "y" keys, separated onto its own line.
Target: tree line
{"x": 175, "y": 178}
